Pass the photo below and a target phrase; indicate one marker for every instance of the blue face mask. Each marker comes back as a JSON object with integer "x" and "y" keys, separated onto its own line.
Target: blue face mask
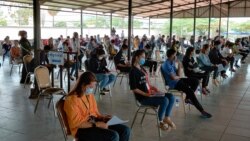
{"x": 142, "y": 61}
{"x": 89, "y": 91}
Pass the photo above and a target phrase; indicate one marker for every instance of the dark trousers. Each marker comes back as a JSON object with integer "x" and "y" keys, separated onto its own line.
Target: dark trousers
{"x": 231, "y": 61}
{"x": 210, "y": 69}
{"x": 113, "y": 133}
{"x": 244, "y": 55}
{"x": 124, "y": 69}
{"x": 203, "y": 76}
{"x": 189, "y": 86}
{"x": 151, "y": 64}
{"x": 80, "y": 61}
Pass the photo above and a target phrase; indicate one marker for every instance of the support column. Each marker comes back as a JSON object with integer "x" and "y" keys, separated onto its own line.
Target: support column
{"x": 37, "y": 31}
{"x": 194, "y": 28}
{"x": 132, "y": 25}
{"x": 220, "y": 18}
{"x": 228, "y": 15}
{"x": 149, "y": 26}
{"x": 129, "y": 27}
{"x": 111, "y": 24}
{"x": 81, "y": 23}
{"x": 209, "y": 20}
{"x": 171, "y": 21}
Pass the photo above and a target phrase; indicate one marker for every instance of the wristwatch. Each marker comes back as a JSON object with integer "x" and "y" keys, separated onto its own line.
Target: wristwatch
{"x": 93, "y": 124}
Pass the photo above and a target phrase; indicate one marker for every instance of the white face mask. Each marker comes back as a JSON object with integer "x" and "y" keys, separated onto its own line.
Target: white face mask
{"x": 100, "y": 57}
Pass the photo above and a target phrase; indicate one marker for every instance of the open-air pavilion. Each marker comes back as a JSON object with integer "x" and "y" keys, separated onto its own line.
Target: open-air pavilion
{"x": 229, "y": 103}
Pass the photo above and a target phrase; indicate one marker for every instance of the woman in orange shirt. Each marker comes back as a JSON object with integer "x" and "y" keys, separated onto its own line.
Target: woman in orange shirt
{"x": 15, "y": 51}
{"x": 85, "y": 121}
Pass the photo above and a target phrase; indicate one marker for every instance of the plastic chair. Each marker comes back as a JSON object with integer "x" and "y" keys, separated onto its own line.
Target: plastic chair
{"x": 26, "y": 60}
{"x": 17, "y": 63}
{"x": 174, "y": 91}
{"x": 62, "y": 117}
{"x": 44, "y": 85}
{"x": 143, "y": 109}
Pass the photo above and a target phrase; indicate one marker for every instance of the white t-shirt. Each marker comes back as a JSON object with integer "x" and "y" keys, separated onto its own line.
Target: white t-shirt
{"x": 226, "y": 51}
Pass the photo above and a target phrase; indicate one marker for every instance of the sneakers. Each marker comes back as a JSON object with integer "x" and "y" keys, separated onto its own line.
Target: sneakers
{"x": 237, "y": 66}
{"x": 106, "y": 90}
{"x": 205, "y": 114}
{"x": 102, "y": 92}
{"x": 232, "y": 70}
{"x": 188, "y": 101}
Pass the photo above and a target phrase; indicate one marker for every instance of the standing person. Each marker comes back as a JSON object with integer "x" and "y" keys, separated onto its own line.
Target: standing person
{"x": 113, "y": 31}
{"x": 86, "y": 123}
{"x": 122, "y": 35}
{"x": 174, "y": 81}
{"x": 76, "y": 47}
{"x": 146, "y": 94}
{"x": 25, "y": 50}
{"x": 6, "y": 47}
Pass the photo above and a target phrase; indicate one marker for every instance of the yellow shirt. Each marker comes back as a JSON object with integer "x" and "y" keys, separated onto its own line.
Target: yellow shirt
{"x": 76, "y": 111}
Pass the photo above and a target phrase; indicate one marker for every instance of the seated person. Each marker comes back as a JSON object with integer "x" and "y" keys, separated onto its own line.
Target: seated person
{"x": 228, "y": 54}
{"x": 111, "y": 49}
{"x": 206, "y": 65}
{"x": 238, "y": 50}
{"x": 149, "y": 62}
{"x": 216, "y": 58}
{"x": 120, "y": 58}
{"x": 85, "y": 121}
{"x": 192, "y": 70}
{"x": 15, "y": 52}
{"x": 146, "y": 94}
{"x": 98, "y": 67}
{"x": 172, "y": 77}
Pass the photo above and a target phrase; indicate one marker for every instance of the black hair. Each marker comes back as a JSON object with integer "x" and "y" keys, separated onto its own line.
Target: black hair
{"x": 100, "y": 51}
{"x": 170, "y": 52}
{"x": 216, "y": 43}
{"x": 136, "y": 54}
{"x": 189, "y": 51}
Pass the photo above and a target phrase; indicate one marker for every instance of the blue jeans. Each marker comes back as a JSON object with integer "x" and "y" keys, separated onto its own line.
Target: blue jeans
{"x": 105, "y": 79}
{"x": 113, "y": 133}
{"x": 166, "y": 104}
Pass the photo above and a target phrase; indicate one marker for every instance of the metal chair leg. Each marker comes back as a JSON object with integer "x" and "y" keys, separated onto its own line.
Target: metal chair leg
{"x": 183, "y": 103}
{"x": 37, "y": 103}
{"x": 158, "y": 125}
{"x": 11, "y": 69}
{"x": 135, "y": 117}
{"x": 115, "y": 79}
{"x": 28, "y": 75}
{"x": 144, "y": 113}
{"x": 121, "y": 80}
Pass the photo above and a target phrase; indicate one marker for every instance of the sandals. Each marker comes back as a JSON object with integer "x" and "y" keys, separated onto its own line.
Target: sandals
{"x": 164, "y": 126}
{"x": 170, "y": 123}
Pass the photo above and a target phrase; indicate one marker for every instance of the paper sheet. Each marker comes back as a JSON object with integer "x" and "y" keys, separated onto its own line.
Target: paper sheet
{"x": 115, "y": 120}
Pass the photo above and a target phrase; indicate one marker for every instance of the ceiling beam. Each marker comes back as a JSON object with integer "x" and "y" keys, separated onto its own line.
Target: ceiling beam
{"x": 168, "y": 7}
{"x": 156, "y": 15}
{"x": 96, "y": 4}
{"x": 141, "y": 5}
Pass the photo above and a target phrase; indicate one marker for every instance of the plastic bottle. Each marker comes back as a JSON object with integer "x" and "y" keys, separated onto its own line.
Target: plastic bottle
{"x": 177, "y": 102}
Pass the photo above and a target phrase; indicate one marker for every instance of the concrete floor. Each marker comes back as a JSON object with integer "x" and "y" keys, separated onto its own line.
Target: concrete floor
{"x": 229, "y": 103}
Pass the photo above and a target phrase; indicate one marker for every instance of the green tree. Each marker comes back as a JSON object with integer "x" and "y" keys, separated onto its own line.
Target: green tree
{"x": 137, "y": 24}
{"x": 3, "y": 21}
{"x": 60, "y": 24}
{"x": 22, "y": 16}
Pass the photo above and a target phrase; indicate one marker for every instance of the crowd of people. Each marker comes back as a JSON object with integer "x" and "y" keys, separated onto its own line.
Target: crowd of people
{"x": 197, "y": 60}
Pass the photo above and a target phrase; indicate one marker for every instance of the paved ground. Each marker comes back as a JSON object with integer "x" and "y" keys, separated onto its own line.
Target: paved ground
{"x": 229, "y": 103}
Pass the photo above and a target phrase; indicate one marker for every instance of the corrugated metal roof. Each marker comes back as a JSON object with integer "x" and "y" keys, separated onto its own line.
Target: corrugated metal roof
{"x": 151, "y": 8}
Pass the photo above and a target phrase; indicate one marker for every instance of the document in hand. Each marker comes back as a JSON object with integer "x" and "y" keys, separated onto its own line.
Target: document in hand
{"x": 158, "y": 95}
{"x": 115, "y": 120}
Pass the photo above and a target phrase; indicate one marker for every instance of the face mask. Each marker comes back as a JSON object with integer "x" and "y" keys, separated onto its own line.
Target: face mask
{"x": 89, "y": 91}
{"x": 100, "y": 58}
{"x": 142, "y": 61}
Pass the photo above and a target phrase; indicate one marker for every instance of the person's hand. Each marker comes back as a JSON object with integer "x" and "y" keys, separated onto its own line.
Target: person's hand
{"x": 106, "y": 118}
{"x": 154, "y": 89}
{"x": 102, "y": 125}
